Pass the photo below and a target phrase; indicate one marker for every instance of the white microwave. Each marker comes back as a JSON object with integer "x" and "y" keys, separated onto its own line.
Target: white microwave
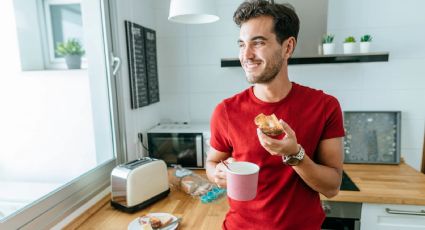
{"x": 180, "y": 144}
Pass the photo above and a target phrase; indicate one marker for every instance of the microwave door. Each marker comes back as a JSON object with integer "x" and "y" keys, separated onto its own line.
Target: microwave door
{"x": 199, "y": 154}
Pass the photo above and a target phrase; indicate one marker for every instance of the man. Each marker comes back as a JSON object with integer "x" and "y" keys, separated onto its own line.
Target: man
{"x": 307, "y": 160}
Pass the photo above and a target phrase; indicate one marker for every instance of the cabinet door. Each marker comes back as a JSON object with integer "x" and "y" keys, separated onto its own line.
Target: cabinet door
{"x": 392, "y": 217}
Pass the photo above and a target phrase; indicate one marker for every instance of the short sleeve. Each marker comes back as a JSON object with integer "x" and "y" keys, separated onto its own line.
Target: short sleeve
{"x": 334, "y": 125}
{"x": 219, "y": 129}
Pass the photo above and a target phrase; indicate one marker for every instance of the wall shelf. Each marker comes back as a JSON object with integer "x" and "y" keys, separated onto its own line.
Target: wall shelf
{"x": 322, "y": 59}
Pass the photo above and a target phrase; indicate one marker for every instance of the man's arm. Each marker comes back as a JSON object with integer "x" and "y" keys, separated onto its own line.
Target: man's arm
{"x": 323, "y": 176}
{"x": 215, "y": 169}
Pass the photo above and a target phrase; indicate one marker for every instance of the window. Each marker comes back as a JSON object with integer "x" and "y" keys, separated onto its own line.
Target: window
{"x": 49, "y": 22}
{"x": 58, "y": 140}
{"x": 63, "y": 21}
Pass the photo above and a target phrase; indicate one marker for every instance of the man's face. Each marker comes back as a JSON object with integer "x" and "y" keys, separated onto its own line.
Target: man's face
{"x": 260, "y": 54}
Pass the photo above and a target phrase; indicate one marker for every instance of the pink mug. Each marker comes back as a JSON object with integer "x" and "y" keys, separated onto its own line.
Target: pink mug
{"x": 242, "y": 180}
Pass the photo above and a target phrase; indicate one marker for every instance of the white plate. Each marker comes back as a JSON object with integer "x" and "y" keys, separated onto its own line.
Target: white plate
{"x": 135, "y": 225}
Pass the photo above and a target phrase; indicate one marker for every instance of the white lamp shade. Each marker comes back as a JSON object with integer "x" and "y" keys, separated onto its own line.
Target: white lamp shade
{"x": 193, "y": 11}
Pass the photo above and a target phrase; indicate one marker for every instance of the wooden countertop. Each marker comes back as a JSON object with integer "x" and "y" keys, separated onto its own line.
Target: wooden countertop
{"x": 391, "y": 184}
{"x": 195, "y": 214}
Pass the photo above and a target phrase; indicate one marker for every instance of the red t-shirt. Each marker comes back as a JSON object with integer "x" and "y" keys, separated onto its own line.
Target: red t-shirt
{"x": 284, "y": 200}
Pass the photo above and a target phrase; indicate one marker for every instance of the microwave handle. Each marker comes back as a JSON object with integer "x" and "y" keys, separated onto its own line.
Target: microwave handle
{"x": 199, "y": 154}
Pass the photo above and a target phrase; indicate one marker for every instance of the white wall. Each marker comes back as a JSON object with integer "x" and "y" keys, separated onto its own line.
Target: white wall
{"x": 397, "y": 27}
{"x": 192, "y": 81}
{"x": 141, "y": 119}
{"x": 28, "y": 28}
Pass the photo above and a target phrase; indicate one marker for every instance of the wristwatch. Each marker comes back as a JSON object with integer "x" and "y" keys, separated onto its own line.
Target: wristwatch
{"x": 295, "y": 159}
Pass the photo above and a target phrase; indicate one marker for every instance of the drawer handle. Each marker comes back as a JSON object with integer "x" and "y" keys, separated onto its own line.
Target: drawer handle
{"x": 394, "y": 211}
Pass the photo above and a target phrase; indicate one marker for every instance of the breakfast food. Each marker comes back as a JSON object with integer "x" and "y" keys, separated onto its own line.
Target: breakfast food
{"x": 195, "y": 185}
{"x": 188, "y": 184}
{"x": 269, "y": 125}
{"x": 165, "y": 220}
{"x": 149, "y": 222}
{"x": 155, "y": 222}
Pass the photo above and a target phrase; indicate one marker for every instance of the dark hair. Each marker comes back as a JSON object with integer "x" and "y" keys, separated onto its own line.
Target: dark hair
{"x": 286, "y": 21}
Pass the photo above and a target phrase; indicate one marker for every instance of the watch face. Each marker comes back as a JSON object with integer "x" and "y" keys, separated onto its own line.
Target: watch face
{"x": 292, "y": 161}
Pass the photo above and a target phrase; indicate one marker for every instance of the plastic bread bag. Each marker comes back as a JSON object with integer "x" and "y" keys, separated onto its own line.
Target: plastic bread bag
{"x": 190, "y": 182}
{"x": 194, "y": 185}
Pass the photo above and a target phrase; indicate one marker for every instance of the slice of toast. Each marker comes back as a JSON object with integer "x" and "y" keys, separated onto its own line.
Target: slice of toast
{"x": 160, "y": 221}
{"x": 269, "y": 125}
{"x": 165, "y": 220}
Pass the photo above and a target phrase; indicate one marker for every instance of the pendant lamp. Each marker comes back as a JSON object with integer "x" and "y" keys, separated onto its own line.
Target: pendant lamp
{"x": 193, "y": 11}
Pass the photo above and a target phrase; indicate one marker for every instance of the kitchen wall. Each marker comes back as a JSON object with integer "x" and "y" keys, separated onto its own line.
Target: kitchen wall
{"x": 397, "y": 27}
{"x": 141, "y": 119}
{"x": 192, "y": 81}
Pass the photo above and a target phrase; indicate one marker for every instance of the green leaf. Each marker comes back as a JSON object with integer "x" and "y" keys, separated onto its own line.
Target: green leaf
{"x": 350, "y": 39}
{"x": 328, "y": 38}
{"x": 71, "y": 47}
{"x": 366, "y": 38}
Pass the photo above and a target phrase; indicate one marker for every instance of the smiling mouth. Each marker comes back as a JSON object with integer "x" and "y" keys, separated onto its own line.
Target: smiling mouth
{"x": 251, "y": 65}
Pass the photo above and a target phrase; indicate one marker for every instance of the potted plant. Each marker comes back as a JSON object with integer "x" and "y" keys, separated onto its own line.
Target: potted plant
{"x": 72, "y": 51}
{"x": 328, "y": 45}
{"x": 349, "y": 45}
{"x": 365, "y": 43}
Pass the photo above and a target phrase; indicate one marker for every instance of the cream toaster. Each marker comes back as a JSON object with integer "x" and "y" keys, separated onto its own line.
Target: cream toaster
{"x": 138, "y": 184}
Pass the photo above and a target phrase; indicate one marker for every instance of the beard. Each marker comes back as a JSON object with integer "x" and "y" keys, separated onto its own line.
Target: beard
{"x": 273, "y": 66}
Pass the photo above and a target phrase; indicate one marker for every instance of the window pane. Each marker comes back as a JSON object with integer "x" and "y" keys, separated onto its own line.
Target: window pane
{"x": 66, "y": 23}
{"x": 55, "y": 125}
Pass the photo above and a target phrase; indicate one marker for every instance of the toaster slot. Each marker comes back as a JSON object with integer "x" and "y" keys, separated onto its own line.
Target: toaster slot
{"x": 135, "y": 163}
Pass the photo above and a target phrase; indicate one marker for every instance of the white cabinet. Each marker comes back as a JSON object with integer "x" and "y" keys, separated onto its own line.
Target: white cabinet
{"x": 392, "y": 217}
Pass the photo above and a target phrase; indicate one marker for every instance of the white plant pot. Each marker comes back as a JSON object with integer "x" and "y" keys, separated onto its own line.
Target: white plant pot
{"x": 364, "y": 47}
{"x": 349, "y": 48}
{"x": 328, "y": 48}
{"x": 73, "y": 61}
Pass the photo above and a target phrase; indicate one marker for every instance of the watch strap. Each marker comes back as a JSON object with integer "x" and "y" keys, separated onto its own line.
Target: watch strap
{"x": 298, "y": 156}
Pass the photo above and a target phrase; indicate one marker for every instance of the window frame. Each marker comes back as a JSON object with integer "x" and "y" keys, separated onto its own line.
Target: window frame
{"x": 55, "y": 206}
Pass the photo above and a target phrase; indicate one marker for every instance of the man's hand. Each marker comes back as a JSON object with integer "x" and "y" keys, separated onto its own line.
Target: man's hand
{"x": 220, "y": 175}
{"x": 323, "y": 176}
{"x": 286, "y": 146}
{"x": 216, "y": 171}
